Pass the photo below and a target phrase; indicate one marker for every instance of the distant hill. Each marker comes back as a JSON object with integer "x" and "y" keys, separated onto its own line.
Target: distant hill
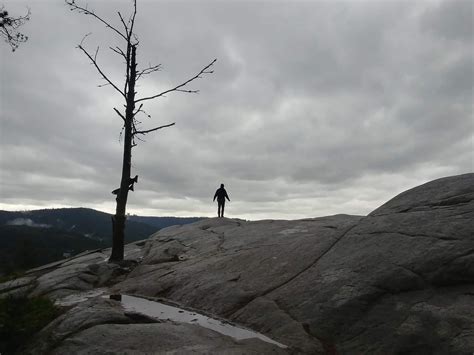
{"x": 24, "y": 247}
{"x": 84, "y": 221}
{"x": 163, "y": 222}
{"x": 32, "y": 238}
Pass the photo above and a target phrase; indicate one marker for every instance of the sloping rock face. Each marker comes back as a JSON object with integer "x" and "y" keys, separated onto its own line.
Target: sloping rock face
{"x": 222, "y": 266}
{"x": 400, "y": 280}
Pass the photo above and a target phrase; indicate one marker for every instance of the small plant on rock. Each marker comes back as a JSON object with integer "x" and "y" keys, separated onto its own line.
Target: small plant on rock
{"x": 21, "y": 318}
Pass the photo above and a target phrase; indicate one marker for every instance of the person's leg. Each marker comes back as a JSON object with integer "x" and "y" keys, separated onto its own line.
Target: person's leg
{"x": 222, "y": 210}
{"x": 218, "y": 209}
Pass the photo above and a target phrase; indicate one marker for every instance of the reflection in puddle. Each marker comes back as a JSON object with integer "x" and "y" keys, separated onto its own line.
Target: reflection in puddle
{"x": 159, "y": 310}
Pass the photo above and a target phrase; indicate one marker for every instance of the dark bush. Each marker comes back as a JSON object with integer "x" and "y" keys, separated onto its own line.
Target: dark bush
{"x": 21, "y": 318}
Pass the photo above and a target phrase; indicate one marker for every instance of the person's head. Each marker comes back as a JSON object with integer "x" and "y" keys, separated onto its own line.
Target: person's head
{"x": 222, "y": 185}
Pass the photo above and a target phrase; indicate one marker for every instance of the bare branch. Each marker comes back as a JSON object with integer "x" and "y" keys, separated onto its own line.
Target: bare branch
{"x": 94, "y": 62}
{"x": 153, "y": 129}
{"x": 132, "y": 19}
{"x": 119, "y": 113}
{"x": 121, "y": 132}
{"x": 119, "y": 52}
{"x": 136, "y": 122}
{"x": 188, "y": 91}
{"x": 84, "y": 10}
{"x": 134, "y": 128}
{"x": 178, "y": 87}
{"x": 138, "y": 110}
{"x": 123, "y": 23}
{"x": 129, "y": 27}
{"x": 95, "y": 55}
{"x": 149, "y": 70}
{"x": 84, "y": 38}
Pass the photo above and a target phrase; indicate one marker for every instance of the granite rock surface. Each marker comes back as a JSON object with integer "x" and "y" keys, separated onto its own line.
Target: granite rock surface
{"x": 400, "y": 280}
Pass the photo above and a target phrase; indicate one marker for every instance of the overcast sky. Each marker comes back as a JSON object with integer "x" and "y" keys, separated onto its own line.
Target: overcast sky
{"x": 314, "y": 108}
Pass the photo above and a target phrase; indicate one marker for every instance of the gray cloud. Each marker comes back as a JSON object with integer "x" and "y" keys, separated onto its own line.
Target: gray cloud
{"x": 451, "y": 20}
{"x": 314, "y": 107}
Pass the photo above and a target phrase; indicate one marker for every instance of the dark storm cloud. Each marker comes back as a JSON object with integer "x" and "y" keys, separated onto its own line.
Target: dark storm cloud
{"x": 314, "y": 107}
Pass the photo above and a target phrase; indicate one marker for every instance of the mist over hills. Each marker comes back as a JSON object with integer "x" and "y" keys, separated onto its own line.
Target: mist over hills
{"x": 32, "y": 238}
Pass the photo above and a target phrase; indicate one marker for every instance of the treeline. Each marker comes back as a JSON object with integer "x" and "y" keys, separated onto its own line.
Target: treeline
{"x": 85, "y": 221}
{"x": 23, "y": 248}
{"x": 32, "y": 238}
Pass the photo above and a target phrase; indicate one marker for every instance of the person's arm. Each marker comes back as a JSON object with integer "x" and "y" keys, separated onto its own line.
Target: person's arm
{"x": 215, "y": 195}
{"x": 226, "y": 196}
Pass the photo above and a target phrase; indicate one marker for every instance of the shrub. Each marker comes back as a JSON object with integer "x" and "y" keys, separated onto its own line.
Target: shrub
{"x": 21, "y": 318}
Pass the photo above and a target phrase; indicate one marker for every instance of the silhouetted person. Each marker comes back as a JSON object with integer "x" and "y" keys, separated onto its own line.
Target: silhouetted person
{"x": 221, "y": 195}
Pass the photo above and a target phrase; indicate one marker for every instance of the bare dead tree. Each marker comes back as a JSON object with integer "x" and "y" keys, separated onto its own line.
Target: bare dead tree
{"x": 9, "y": 28}
{"x": 131, "y": 126}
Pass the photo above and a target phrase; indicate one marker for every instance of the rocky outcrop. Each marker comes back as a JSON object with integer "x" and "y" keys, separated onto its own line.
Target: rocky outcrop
{"x": 400, "y": 280}
{"x": 102, "y": 326}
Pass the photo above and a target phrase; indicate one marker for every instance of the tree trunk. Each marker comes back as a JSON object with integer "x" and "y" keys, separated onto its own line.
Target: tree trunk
{"x": 118, "y": 221}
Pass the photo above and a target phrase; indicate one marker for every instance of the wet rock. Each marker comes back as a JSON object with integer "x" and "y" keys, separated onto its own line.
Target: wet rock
{"x": 161, "y": 338}
{"x": 85, "y": 315}
{"x": 266, "y": 315}
{"x": 101, "y": 326}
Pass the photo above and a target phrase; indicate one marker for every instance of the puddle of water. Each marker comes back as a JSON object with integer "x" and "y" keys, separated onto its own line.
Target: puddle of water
{"x": 159, "y": 310}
